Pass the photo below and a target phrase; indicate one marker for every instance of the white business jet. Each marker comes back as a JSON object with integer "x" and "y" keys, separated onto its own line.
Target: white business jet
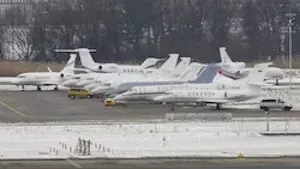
{"x": 148, "y": 92}
{"x": 187, "y": 74}
{"x": 284, "y": 82}
{"x": 105, "y": 78}
{"x": 237, "y": 70}
{"x": 94, "y": 79}
{"x": 227, "y": 64}
{"x": 249, "y": 89}
{"x": 125, "y": 83}
{"x": 88, "y": 62}
{"x": 46, "y": 78}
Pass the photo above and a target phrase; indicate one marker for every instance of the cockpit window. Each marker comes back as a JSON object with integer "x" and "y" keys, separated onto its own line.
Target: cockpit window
{"x": 22, "y": 76}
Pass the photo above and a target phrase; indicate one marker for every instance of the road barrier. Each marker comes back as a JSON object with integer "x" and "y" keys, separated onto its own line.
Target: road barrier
{"x": 198, "y": 116}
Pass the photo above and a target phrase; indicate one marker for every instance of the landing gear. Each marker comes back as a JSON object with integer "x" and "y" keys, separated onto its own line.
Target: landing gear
{"x": 55, "y": 88}
{"x": 38, "y": 88}
{"x": 23, "y": 88}
{"x": 172, "y": 107}
{"x": 218, "y": 106}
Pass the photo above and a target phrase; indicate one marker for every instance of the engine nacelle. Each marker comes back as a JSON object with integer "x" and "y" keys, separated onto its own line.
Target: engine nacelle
{"x": 106, "y": 68}
{"x": 110, "y": 68}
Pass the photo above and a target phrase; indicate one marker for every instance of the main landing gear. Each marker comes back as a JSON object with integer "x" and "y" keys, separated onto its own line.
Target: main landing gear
{"x": 172, "y": 107}
{"x": 38, "y": 88}
{"x": 55, "y": 88}
{"x": 218, "y": 106}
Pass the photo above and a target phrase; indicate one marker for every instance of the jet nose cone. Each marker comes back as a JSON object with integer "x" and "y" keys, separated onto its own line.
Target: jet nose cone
{"x": 119, "y": 98}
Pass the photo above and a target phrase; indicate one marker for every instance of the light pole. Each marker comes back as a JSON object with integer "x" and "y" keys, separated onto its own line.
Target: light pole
{"x": 290, "y": 27}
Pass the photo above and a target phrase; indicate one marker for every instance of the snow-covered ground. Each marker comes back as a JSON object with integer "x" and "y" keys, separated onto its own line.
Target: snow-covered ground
{"x": 116, "y": 139}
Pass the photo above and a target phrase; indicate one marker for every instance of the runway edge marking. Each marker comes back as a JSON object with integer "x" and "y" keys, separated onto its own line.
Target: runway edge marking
{"x": 12, "y": 109}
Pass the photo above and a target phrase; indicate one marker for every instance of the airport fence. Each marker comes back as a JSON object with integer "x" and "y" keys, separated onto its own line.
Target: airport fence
{"x": 198, "y": 117}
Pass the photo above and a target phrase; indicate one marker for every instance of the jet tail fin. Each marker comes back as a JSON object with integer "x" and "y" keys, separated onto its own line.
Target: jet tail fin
{"x": 224, "y": 55}
{"x": 149, "y": 62}
{"x": 207, "y": 75}
{"x": 49, "y": 69}
{"x": 84, "y": 55}
{"x": 170, "y": 64}
{"x": 86, "y": 58}
{"x": 70, "y": 64}
{"x": 182, "y": 66}
{"x": 191, "y": 71}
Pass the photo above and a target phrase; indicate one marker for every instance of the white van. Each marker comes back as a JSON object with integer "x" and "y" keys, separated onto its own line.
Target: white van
{"x": 274, "y": 103}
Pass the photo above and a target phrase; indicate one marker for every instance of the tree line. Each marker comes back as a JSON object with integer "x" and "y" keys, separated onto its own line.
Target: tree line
{"x": 131, "y": 30}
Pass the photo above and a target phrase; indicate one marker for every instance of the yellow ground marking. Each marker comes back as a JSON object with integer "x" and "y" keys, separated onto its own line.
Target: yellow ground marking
{"x": 13, "y": 109}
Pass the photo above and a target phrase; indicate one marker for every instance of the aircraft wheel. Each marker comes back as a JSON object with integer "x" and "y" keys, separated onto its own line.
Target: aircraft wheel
{"x": 218, "y": 107}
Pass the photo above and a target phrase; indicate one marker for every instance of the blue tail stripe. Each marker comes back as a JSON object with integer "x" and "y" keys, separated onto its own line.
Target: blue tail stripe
{"x": 207, "y": 75}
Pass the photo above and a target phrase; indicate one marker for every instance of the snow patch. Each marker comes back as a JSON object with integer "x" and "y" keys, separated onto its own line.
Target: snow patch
{"x": 226, "y": 139}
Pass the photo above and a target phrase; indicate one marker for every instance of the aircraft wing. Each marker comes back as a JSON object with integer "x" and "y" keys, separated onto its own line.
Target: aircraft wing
{"x": 262, "y": 65}
{"x": 51, "y": 82}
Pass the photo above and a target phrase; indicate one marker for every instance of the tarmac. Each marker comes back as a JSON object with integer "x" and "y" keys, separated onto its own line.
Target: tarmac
{"x": 286, "y": 163}
{"x": 45, "y": 106}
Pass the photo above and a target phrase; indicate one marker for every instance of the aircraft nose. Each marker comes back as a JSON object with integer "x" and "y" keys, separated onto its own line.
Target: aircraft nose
{"x": 119, "y": 97}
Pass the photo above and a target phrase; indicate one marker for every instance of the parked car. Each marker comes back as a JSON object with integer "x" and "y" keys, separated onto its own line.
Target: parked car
{"x": 79, "y": 93}
{"x": 109, "y": 102}
{"x": 274, "y": 103}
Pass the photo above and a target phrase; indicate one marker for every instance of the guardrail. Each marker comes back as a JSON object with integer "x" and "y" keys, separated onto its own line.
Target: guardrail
{"x": 198, "y": 117}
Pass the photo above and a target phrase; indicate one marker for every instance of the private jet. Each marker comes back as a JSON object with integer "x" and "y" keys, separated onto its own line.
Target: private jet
{"x": 46, "y": 78}
{"x": 88, "y": 62}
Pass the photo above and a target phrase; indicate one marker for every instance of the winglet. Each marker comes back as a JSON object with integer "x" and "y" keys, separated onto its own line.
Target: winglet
{"x": 49, "y": 69}
{"x": 170, "y": 64}
{"x": 70, "y": 64}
